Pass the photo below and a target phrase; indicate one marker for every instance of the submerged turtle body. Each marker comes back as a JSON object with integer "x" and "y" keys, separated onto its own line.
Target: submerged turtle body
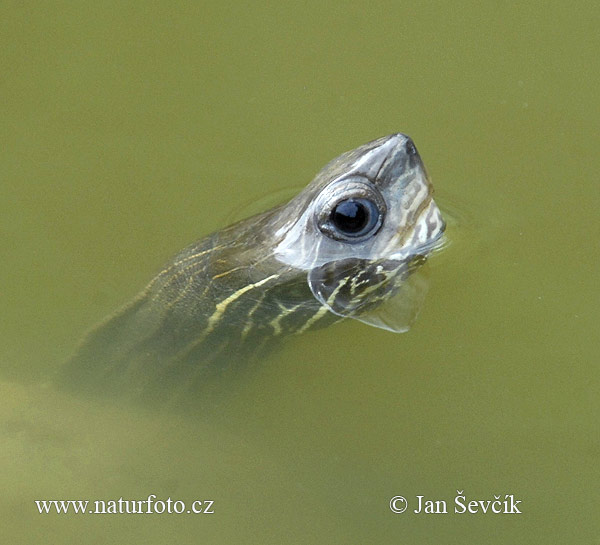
{"x": 341, "y": 248}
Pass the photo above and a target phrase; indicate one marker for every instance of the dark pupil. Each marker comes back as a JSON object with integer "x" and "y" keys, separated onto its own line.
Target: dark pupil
{"x": 350, "y": 216}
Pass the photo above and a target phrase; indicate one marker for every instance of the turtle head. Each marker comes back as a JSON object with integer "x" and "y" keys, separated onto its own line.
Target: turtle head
{"x": 361, "y": 227}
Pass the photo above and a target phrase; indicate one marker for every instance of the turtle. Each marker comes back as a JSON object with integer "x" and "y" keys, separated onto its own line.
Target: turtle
{"x": 344, "y": 247}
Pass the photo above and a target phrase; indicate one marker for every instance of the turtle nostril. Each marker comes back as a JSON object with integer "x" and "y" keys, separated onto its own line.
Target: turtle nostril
{"x": 410, "y": 147}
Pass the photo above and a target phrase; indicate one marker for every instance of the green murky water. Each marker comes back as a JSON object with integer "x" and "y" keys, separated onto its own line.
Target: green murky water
{"x": 129, "y": 129}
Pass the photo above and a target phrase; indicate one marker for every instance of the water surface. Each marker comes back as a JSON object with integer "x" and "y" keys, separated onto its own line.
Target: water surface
{"x": 130, "y": 129}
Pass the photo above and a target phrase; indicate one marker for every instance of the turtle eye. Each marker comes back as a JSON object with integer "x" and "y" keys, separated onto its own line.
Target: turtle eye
{"x": 354, "y": 218}
{"x": 350, "y": 210}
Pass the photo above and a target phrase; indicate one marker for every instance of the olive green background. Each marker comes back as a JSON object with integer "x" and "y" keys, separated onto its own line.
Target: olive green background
{"x": 129, "y": 129}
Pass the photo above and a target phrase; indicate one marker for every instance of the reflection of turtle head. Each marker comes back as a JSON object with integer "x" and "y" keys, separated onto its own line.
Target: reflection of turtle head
{"x": 361, "y": 227}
